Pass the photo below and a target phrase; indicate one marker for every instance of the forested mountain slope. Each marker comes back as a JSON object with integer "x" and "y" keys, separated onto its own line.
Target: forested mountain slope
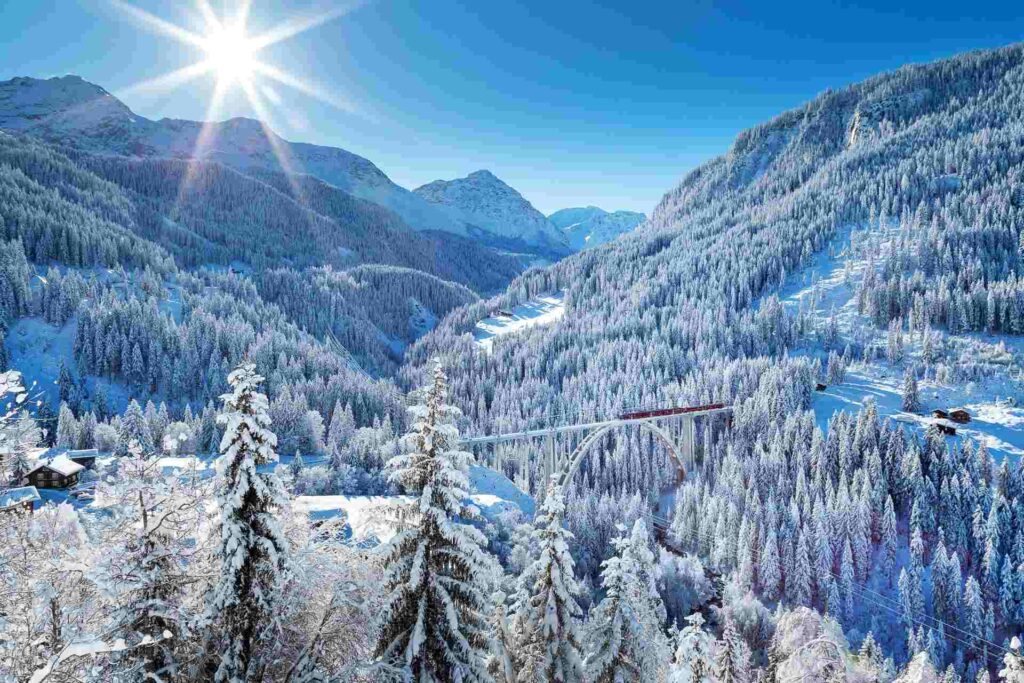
{"x": 149, "y": 278}
{"x": 589, "y": 226}
{"x": 915, "y": 177}
{"x": 73, "y": 112}
{"x": 934, "y": 149}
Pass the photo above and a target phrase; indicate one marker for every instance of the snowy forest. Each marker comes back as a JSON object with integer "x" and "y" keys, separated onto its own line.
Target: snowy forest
{"x": 239, "y": 351}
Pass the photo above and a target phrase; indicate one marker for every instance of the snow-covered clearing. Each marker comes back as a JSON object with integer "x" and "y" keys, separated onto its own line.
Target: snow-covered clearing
{"x": 828, "y": 287}
{"x": 994, "y": 422}
{"x": 368, "y": 520}
{"x": 37, "y": 349}
{"x": 543, "y": 310}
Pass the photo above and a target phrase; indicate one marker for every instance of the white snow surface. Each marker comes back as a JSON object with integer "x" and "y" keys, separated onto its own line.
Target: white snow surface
{"x": 543, "y": 310}
{"x": 997, "y": 417}
{"x": 482, "y": 200}
{"x": 71, "y": 111}
{"x": 589, "y": 226}
{"x": 492, "y": 493}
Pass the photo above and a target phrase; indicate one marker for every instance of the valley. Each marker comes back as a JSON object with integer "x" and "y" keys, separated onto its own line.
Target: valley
{"x": 259, "y": 400}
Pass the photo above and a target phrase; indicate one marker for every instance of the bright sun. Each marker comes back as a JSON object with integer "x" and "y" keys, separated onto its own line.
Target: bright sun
{"x": 234, "y": 56}
{"x": 231, "y": 54}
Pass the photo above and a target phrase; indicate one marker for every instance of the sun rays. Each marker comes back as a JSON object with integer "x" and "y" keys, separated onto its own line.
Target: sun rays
{"x": 232, "y": 55}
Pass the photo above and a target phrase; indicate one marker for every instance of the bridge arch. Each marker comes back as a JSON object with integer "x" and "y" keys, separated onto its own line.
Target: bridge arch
{"x": 570, "y": 467}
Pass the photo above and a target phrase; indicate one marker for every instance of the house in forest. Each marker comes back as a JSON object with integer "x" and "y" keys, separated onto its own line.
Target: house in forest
{"x": 948, "y": 430}
{"x": 55, "y": 473}
{"x": 22, "y": 499}
{"x": 940, "y": 414}
{"x": 960, "y": 415}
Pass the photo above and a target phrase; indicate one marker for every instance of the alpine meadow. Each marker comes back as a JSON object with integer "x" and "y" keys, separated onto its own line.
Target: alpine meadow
{"x": 270, "y": 414}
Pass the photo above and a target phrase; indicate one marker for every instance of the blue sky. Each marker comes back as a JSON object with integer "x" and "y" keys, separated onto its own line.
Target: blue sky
{"x": 570, "y": 102}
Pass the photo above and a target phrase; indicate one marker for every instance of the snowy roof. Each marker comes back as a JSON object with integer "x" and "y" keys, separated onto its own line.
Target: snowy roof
{"x": 12, "y": 497}
{"x": 61, "y": 464}
{"x": 83, "y": 453}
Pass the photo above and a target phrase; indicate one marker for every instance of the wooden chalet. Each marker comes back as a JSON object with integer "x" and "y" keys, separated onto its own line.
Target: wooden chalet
{"x": 22, "y": 499}
{"x": 820, "y": 387}
{"x": 55, "y": 473}
{"x": 940, "y": 414}
{"x": 948, "y": 430}
{"x": 960, "y": 415}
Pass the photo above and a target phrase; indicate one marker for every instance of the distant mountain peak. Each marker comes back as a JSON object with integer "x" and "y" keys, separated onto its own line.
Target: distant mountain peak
{"x": 589, "y": 226}
{"x": 485, "y": 201}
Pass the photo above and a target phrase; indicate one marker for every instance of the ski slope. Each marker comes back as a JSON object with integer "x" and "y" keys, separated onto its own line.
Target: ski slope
{"x": 543, "y": 310}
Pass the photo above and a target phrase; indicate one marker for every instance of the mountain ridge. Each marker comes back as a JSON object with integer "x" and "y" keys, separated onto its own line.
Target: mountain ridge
{"x": 590, "y": 226}
{"x": 483, "y": 200}
{"x": 71, "y": 111}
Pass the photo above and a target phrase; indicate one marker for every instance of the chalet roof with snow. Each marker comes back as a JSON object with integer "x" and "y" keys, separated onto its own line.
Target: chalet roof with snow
{"x": 18, "y": 496}
{"x": 62, "y": 464}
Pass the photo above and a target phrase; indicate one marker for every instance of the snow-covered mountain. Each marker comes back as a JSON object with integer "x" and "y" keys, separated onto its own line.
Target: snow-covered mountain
{"x": 484, "y": 201}
{"x": 73, "y": 112}
{"x": 589, "y": 226}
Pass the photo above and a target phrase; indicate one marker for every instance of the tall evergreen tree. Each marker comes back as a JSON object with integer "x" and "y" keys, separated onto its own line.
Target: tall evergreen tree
{"x": 911, "y": 399}
{"x": 694, "y": 660}
{"x": 625, "y": 640}
{"x": 437, "y": 573}
{"x": 134, "y": 429}
{"x": 251, "y": 549}
{"x": 551, "y": 647}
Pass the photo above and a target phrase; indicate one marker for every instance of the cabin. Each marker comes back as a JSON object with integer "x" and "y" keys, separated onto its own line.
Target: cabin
{"x": 85, "y": 457}
{"x": 820, "y": 387}
{"x": 23, "y": 499}
{"x": 960, "y": 415}
{"x": 55, "y": 473}
{"x": 505, "y": 313}
{"x": 940, "y": 414}
{"x": 946, "y": 429}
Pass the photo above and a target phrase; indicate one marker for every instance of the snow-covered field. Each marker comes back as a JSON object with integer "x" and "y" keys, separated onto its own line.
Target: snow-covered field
{"x": 828, "y": 287}
{"x": 994, "y": 422}
{"x": 368, "y": 520}
{"x": 543, "y": 310}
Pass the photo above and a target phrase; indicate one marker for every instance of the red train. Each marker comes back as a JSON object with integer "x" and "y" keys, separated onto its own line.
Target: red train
{"x": 663, "y": 412}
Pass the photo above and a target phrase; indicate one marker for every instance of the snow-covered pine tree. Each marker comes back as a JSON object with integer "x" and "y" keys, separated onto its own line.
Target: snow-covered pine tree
{"x": 250, "y": 547}
{"x": 733, "y": 655}
{"x": 625, "y": 639}
{"x": 550, "y": 644}
{"x": 134, "y": 429}
{"x": 436, "y": 571}
{"x": 911, "y": 399}
{"x": 695, "y": 654}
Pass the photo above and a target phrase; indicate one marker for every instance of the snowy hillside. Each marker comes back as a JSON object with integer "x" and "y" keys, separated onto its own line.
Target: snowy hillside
{"x": 74, "y": 112}
{"x": 543, "y": 310}
{"x": 484, "y": 201}
{"x": 589, "y": 226}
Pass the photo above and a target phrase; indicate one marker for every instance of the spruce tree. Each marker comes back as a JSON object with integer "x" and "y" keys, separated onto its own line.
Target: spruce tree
{"x": 437, "y": 574}
{"x": 134, "y": 429}
{"x": 625, "y": 639}
{"x": 911, "y": 399}
{"x": 694, "y": 658}
{"x": 251, "y": 549}
{"x": 733, "y": 655}
{"x": 551, "y": 645}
